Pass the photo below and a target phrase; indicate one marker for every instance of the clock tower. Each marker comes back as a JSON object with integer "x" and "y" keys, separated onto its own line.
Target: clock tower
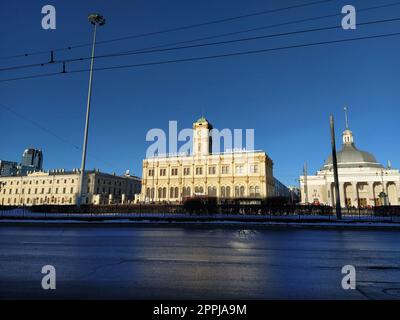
{"x": 202, "y": 141}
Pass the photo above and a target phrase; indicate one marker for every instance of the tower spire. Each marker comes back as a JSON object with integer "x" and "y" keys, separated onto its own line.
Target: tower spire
{"x": 347, "y": 134}
{"x": 346, "y": 118}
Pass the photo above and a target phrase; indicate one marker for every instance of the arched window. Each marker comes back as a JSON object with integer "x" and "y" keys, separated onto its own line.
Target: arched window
{"x": 159, "y": 192}
{"x": 199, "y": 190}
{"x": 257, "y": 191}
{"x": 242, "y": 191}
{"x": 237, "y": 191}
{"x": 152, "y": 193}
{"x": 171, "y": 192}
{"x": 148, "y": 192}
{"x": 164, "y": 193}
{"x": 176, "y": 193}
{"x": 228, "y": 192}
{"x": 223, "y": 192}
{"x": 212, "y": 191}
{"x": 252, "y": 192}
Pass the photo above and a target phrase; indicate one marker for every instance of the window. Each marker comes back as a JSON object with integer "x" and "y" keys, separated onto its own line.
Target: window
{"x": 212, "y": 191}
{"x": 252, "y": 191}
{"x": 228, "y": 192}
{"x": 151, "y": 172}
{"x": 199, "y": 190}
{"x": 239, "y": 191}
{"x": 174, "y": 171}
{"x": 257, "y": 191}
{"x": 239, "y": 169}
{"x": 176, "y": 192}
{"x": 186, "y": 171}
{"x": 163, "y": 172}
{"x": 186, "y": 191}
{"x": 253, "y": 168}
{"x": 225, "y": 170}
{"x": 199, "y": 171}
{"x": 211, "y": 170}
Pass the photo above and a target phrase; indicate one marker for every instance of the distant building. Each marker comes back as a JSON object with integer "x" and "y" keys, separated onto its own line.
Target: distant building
{"x": 280, "y": 190}
{"x": 236, "y": 174}
{"x": 8, "y": 168}
{"x": 294, "y": 193}
{"x": 32, "y": 158}
{"x": 363, "y": 182}
{"x": 61, "y": 187}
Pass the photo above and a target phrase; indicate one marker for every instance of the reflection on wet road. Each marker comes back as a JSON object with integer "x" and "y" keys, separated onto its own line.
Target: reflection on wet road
{"x": 197, "y": 263}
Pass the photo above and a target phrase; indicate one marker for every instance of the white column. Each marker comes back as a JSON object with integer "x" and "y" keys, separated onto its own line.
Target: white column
{"x": 341, "y": 193}
{"x": 354, "y": 201}
{"x": 371, "y": 196}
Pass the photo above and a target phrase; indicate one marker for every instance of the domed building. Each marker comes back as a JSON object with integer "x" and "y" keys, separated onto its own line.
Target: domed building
{"x": 363, "y": 181}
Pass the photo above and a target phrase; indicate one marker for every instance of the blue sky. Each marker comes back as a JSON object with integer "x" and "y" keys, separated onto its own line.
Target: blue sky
{"x": 286, "y": 96}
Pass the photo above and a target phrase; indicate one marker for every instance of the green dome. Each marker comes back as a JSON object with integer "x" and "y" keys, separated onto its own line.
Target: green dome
{"x": 202, "y": 119}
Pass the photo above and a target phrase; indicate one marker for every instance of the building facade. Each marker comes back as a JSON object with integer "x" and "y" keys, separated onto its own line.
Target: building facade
{"x": 60, "y": 187}
{"x": 363, "y": 182}
{"x": 32, "y": 158}
{"x": 224, "y": 175}
{"x": 8, "y": 168}
{"x": 31, "y": 161}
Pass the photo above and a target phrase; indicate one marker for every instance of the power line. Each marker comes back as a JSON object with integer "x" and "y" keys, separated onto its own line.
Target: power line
{"x": 119, "y": 54}
{"x": 172, "y": 29}
{"x": 38, "y": 125}
{"x": 50, "y": 132}
{"x": 232, "y": 54}
{"x": 263, "y": 27}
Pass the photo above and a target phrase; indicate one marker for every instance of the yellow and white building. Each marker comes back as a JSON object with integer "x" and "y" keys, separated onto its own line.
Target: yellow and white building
{"x": 236, "y": 174}
{"x": 60, "y": 187}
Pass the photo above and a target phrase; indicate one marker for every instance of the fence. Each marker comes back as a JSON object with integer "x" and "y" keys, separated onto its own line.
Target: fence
{"x": 231, "y": 210}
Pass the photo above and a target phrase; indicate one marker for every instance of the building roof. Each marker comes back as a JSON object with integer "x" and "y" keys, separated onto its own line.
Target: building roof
{"x": 201, "y": 120}
{"x": 350, "y": 157}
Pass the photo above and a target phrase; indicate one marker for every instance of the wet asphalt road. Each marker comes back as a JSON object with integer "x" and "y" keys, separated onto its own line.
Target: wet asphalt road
{"x": 175, "y": 262}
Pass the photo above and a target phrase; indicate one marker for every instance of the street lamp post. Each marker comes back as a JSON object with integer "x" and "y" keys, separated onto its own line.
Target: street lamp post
{"x": 96, "y": 20}
{"x": 335, "y": 169}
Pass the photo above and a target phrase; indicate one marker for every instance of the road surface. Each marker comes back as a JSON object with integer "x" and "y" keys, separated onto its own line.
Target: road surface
{"x": 175, "y": 262}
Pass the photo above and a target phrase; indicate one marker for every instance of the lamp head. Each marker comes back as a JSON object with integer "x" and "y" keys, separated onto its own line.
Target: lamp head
{"x": 95, "y": 18}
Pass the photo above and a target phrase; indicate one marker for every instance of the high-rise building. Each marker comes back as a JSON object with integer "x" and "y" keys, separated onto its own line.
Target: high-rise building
{"x": 32, "y": 158}
{"x": 8, "y": 168}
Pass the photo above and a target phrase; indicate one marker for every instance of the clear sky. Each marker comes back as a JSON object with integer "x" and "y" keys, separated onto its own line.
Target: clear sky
{"x": 286, "y": 96}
